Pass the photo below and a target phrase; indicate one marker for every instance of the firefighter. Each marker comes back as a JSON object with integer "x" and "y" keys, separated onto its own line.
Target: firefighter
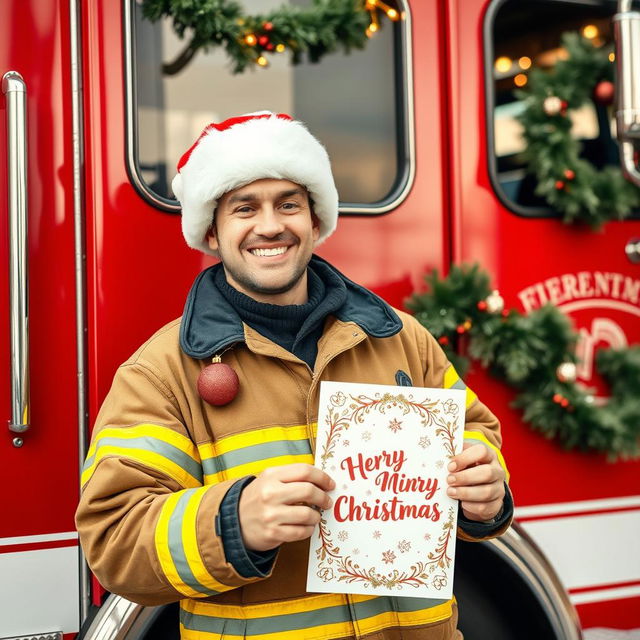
{"x": 199, "y": 484}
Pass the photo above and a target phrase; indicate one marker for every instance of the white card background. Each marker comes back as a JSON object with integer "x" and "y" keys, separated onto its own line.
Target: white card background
{"x": 388, "y": 447}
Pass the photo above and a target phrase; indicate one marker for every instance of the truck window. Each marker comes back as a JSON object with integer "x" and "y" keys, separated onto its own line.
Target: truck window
{"x": 519, "y": 36}
{"x": 358, "y": 104}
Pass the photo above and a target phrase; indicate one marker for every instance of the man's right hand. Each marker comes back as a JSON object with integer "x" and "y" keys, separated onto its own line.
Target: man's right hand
{"x": 281, "y": 505}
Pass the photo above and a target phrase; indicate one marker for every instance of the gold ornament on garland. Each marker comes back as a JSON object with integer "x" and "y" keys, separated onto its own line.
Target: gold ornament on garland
{"x": 535, "y": 354}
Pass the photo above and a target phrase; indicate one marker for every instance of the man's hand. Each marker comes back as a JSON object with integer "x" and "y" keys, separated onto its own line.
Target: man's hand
{"x": 477, "y": 480}
{"x": 281, "y": 505}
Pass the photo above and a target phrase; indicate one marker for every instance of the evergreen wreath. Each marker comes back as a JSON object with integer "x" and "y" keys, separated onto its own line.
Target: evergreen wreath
{"x": 316, "y": 30}
{"x": 535, "y": 354}
{"x": 570, "y": 184}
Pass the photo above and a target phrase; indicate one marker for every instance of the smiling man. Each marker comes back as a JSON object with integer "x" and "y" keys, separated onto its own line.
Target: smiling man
{"x": 199, "y": 485}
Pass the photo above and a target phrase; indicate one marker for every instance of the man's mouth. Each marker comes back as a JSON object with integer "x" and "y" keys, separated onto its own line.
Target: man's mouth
{"x": 272, "y": 251}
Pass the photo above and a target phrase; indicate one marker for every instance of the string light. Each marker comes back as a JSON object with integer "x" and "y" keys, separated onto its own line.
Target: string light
{"x": 524, "y": 62}
{"x": 251, "y": 39}
{"x": 612, "y": 57}
{"x": 372, "y": 7}
{"x": 280, "y": 48}
{"x": 503, "y": 64}
{"x": 262, "y": 61}
{"x": 520, "y": 80}
{"x": 590, "y": 31}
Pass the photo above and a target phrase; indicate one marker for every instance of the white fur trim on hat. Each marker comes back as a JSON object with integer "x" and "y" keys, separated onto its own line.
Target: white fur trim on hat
{"x": 228, "y": 157}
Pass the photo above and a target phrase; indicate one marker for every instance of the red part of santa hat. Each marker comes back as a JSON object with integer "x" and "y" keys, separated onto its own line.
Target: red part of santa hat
{"x": 233, "y": 153}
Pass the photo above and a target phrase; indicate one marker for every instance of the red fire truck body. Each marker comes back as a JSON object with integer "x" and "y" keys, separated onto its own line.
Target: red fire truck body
{"x": 106, "y": 269}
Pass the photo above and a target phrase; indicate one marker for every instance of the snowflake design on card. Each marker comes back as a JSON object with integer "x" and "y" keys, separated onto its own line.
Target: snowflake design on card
{"x": 355, "y": 552}
{"x": 395, "y": 425}
{"x": 342, "y": 536}
{"x": 404, "y": 546}
{"x": 440, "y": 464}
{"x": 388, "y": 557}
{"x": 366, "y": 436}
{"x": 424, "y": 442}
{"x": 427, "y": 536}
{"x": 376, "y": 535}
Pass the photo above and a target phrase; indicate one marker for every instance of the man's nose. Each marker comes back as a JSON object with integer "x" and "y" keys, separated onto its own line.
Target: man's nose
{"x": 269, "y": 222}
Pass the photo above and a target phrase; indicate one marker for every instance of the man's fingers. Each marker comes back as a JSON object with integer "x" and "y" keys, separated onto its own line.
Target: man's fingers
{"x": 300, "y": 472}
{"x": 482, "y": 474}
{"x": 481, "y": 511}
{"x": 478, "y": 493}
{"x": 305, "y": 493}
{"x": 473, "y": 454}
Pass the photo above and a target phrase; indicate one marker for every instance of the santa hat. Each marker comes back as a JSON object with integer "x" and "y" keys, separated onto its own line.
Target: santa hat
{"x": 238, "y": 151}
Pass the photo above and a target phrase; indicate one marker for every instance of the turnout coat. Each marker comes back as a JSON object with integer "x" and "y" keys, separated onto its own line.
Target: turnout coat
{"x": 162, "y": 460}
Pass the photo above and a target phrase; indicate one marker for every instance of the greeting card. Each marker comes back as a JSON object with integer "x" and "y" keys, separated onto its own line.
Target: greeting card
{"x": 392, "y": 528}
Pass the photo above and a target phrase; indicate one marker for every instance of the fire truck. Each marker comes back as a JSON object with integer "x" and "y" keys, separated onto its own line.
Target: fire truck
{"x": 423, "y": 133}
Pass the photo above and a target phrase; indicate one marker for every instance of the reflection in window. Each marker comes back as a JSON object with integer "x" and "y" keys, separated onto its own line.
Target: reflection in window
{"x": 348, "y": 101}
{"x": 527, "y": 34}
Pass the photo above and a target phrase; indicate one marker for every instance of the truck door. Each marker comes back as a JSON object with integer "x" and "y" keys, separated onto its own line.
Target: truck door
{"x": 581, "y": 509}
{"x": 39, "y": 574}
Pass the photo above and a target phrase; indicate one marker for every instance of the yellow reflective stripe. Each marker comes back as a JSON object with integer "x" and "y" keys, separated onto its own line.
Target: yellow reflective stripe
{"x": 163, "y": 550}
{"x": 470, "y": 398}
{"x": 480, "y": 437}
{"x": 190, "y": 542}
{"x": 450, "y": 377}
{"x": 148, "y": 458}
{"x": 254, "y": 468}
{"x": 165, "y": 434}
{"x": 250, "y": 438}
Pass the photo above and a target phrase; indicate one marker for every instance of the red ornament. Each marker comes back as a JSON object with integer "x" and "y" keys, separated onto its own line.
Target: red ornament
{"x": 569, "y": 174}
{"x": 564, "y": 105}
{"x": 460, "y": 329}
{"x": 267, "y": 26}
{"x": 443, "y": 340}
{"x": 564, "y": 403}
{"x": 270, "y": 47}
{"x": 559, "y": 185}
{"x": 218, "y": 383}
{"x": 263, "y": 41}
{"x": 557, "y": 398}
{"x": 604, "y": 92}
{"x": 505, "y": 313}
{"x": 482, "y": 305}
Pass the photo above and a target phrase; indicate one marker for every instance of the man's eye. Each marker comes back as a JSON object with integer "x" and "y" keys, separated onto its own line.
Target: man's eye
{"x": 290, "y": 205}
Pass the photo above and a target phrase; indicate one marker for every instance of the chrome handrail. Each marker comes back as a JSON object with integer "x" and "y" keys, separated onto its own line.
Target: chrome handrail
{"x": 15, "y": 90}
{"x": 627, "y": 37}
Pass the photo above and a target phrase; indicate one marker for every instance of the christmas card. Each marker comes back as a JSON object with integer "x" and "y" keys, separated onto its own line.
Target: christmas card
{"x": 392, "y": 528}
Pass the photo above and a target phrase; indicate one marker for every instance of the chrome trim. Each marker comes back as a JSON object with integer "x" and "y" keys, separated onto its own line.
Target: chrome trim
{"x": 408, "y": 117}
{"x": 80, "y": 270}
{"x": 15, "y": 89}
{"x": 627, "y": 37}
{"x": 524, "y": 556}
{"x": 120, "y": 619}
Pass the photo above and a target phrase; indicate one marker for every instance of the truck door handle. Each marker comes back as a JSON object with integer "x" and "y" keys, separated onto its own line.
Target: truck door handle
{"x": 627, "y": 37}
{"x": 15, "y": 90}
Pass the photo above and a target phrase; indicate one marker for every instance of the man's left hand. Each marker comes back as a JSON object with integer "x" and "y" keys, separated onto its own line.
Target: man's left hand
{"x": 477, "y": 480}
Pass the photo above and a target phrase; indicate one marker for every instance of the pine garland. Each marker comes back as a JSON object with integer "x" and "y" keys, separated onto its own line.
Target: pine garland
{"x": 571, "y": 185}
{"x": 322, "y": 28}
{"x": 526, "y": 352}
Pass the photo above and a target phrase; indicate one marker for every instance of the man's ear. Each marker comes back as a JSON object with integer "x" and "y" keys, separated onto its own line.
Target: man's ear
{"x": 212, "y": 237}
{"x": 315, "y": 222}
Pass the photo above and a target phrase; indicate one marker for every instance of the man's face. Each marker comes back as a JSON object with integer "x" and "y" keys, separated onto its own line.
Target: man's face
{"x": 265, "y": 233}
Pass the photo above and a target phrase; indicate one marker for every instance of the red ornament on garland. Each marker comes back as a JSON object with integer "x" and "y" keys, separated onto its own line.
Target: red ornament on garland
{"x": 559, "y": 185}
{"x": 482, "y": 305}
{"x": 263, "y": 41}
{"x": 267, "y": 26}
{"x": 604, "y": 92}
{"x": 443, "y": 340}
{"x": 569, "y": 174}
{"x": 218, "y": 383}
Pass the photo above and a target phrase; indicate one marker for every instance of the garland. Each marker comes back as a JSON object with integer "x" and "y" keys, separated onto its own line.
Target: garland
{"x": 571, "y": 185}
{"x": 535, "y": 354}
{"x": 248, "y": 40}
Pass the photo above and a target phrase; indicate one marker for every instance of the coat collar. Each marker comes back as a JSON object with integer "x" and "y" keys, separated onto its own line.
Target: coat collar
{"x": 210, "y": 324}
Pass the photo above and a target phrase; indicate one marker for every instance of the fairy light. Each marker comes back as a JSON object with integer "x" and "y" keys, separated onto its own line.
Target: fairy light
{"x": 590, "y": 31}
{"x": 262, "y": 61}
{"x": 612, "y": 57}
{"x": 503, "y": 64}
{"x": 372, "y": 7}
{"x": 524, "y": 62}
{"x": 520, "y": 80}
{"x": 251, "y": 39}
{"x": 280, "y": 48}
